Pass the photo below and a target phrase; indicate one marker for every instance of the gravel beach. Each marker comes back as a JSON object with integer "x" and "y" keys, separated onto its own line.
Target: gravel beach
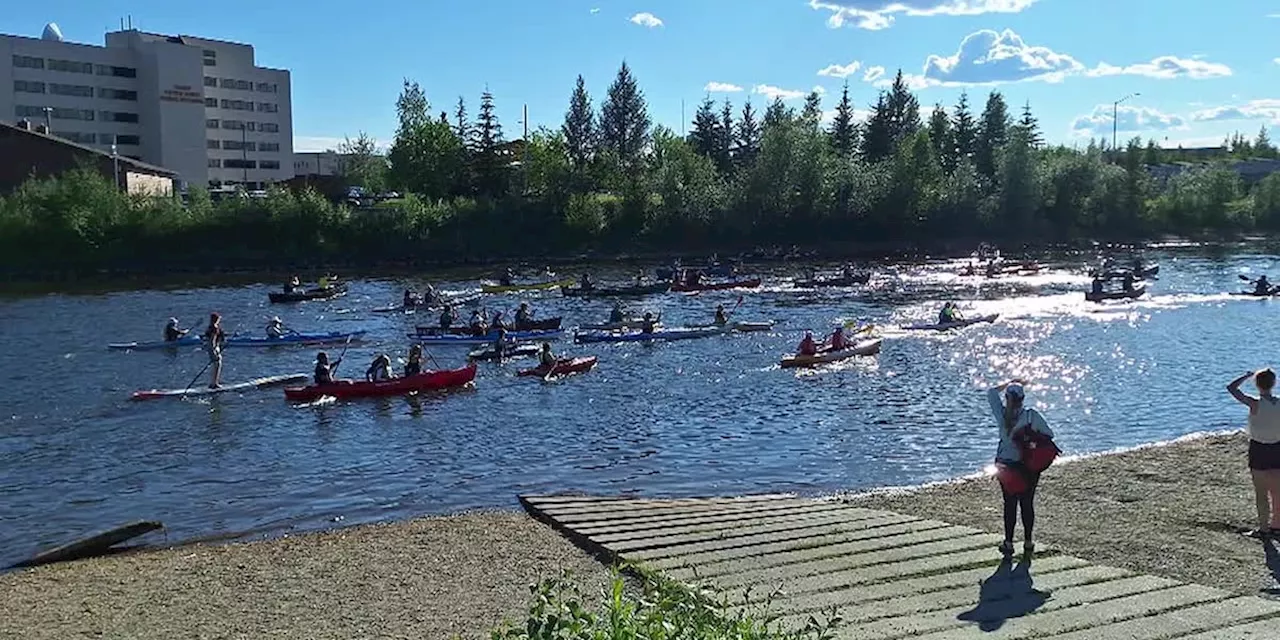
{"x": 428, "y": 578}
{"x": 1175, "y": 511}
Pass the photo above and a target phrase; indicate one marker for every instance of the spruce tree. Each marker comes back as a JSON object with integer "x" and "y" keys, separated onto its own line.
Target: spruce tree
{"x": 811, "y": 115}
{"x": 704, "y": 136}
{"x": 624, "y": 120}
{"x": 1262, "y": 144}
{"x": 777, "y": 113}
{"x": 904, "y": 111}
{"x": 579, "y": 130}
{"x": 844, "y": 131}
{"x": 964, "y": 131}
{"x": 993, "y": 133}
{"x": 1030, "y": 127}
{"x": 490, "y": 164}
{"x": 747, "y": 136}
{"x": 941, "y": 137}
{"x": 461, "y": 125}
{"x": 877, "y": 135}
{"x": 724, "y": 140}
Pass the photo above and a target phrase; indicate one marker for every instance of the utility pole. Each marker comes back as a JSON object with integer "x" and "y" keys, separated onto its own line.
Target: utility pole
{"x": 1115, "y": 118}
{"x": 244, "y": 154}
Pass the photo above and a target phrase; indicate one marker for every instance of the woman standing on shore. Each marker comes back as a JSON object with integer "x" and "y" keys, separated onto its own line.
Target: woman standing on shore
{"x": 1264, "y": 448}
{"x": 1017, "y": 482}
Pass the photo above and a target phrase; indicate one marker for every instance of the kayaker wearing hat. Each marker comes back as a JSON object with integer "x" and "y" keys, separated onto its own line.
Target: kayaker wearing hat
{"x": 324, "y": 370}
{"x": 171, "y": 331}
{"x": 213, "y": 340}
{"x": 275, "y": 328}
{"x": 1017, "y": 482}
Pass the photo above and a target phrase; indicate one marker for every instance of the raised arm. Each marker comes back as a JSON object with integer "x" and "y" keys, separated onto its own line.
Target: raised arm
{"x": 1243, "y": 398}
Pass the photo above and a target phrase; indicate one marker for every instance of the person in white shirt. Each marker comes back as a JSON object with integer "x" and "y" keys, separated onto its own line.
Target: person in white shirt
{"x": 1264, "y": 448}
{"x": 1017, "y": 483}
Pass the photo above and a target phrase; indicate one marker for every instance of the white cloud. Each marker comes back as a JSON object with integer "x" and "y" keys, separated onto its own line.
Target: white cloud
{"x": 721, "y": 87}
{"x": 771, "y": 92}
{"x": 873, "y": 74}
{"x": 1276, "y": 60}
{"x": 879, "y": 14}
{"x": 1165, "y": 68}
{"x": 646, "y": 19}
{"x": 819, "y": 89}
{"x": 1127, "y": 118}
{"x": 840, "y": 71}
{"x": 595, "y": 10}
{"x": 1266, "y": 109}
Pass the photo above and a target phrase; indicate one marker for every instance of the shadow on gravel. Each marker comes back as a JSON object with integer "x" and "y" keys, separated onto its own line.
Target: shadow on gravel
{"x": 1008, "y": 593}
{"x": 1272, "y": 550}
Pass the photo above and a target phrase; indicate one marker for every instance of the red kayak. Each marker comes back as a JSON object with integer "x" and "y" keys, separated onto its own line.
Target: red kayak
{"x": 426, "y": 381}
{"x": 716, "y": 286}
{"x": 564, "y": 366}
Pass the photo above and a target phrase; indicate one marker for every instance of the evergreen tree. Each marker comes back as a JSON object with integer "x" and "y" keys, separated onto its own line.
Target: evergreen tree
{"x": 904, "y": 111}
{"x": 461, "y": 124}
{"x": 579, "y": 131}
{"x": 1030, "y": 127}
{"x": 724, "y": 142}
{"x": 747, "y": 136}
{"x": 1152, "y": 155}
{"x": 992, "y": 134}
{"x": 877, "y": 135}
{"x": 811, "y": 115}
{"x": 964, "y": 131}
{"x": 777, "y": 113}
{"x": 704, "y": 137}
{"x": 465, "y": 183}
{"x": 941, "y": 138}
{"x": 844, "y": 131}
{"x": 425, "y": 156}
{"x": 624, "y": 120}
{"x": 1262, "y": 144}
{"x": 491, "y": 164}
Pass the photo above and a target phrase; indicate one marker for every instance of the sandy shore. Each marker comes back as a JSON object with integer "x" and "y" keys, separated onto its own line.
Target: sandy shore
{"x": 1176, "y": 511}
{"x": 428, "y": 578}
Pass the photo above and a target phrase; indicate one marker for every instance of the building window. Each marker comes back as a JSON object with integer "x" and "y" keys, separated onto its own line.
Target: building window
{"x": 237, "y": 105}
{"x": 211, "y": 123}
{"x": 119, "y": 72}
{"x": 28, "y": 62}
{"x": 117, "y": 94}
{"x": 76, "y": 136}
{"x": 268, "y": 107}
{"x": 212, "y": 144}
{"x": 239, "y": 85}
{"x": 237, "y": 145}
{"x": 267, "y": 87}
{"x": 28, "y": 86}
{"x": 210, "y": 81}
{"x": 77, "y": 90}
{"x": 70, "y": 66}
{"x": 251, "y": 125}
{"x": 269, "y": 164}
{"x": 209, "y": 62}
{"x": 269, "y": 146}
{"x": 234, "y": 125}
{"x": 128, "y": 139}
{"x": 211, "y": 102}
{"x": 57, "y": 113}
{"x": 268, "y": 127}
{"x": 214, "y": 163}
{"x": 118, "y": 116}
{"x": 210, "y": 58}
{"x": 236, "y": 163}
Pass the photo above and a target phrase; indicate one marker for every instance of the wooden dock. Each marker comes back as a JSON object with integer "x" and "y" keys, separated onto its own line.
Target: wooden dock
{"x": 893, "y": 576}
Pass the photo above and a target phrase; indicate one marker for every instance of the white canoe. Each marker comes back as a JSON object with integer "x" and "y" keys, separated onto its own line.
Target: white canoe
{"x": 863, "y": 348}
{"x": 204, "y": 390}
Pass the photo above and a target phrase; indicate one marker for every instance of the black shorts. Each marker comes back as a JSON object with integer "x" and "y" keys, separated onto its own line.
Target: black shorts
{"x": 1263, "y": 456}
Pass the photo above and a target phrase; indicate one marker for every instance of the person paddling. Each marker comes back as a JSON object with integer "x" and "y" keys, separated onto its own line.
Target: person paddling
{"x": 324, "y": 370}
{"x": 380, "y": 369}
{"x": 292, "y": 285}
{"x": 413, "y": 366}
{"x": 477, "y": 323}
{"x": 1262, "y": 287}
{"x": 1128, "y": 281}
{"x": 944, "y": 316}
{"x": 617, "y": 314}
{"x": 1263, "y": 429}
{"x": 585, "y": 282}
{"x": 500, "y": 343}
{"x": 838, "y": 341}
{"x": 171, "y": 331}
{"x": 648, "y": 324}
{"x": 508, "y": 278}
{"x": 1017, "y": 482}
{"x": 448, "y": 316}
{"x": 324, "y": 282}
{"x": 524, "y": 315}
{"x": 275, "y": 328}
{"x": 410, "y": 300}
{"x": 214, "y": 339}
{"x": 498, "y": 322}
{"x": 546, "y": 359}
{"x": 1097, "y": 286}
{"x": 808, "y": 347}
{"x": 722, "y": 318}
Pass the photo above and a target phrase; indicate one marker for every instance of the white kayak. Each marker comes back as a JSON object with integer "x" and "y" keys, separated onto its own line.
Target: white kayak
{"x": 204, "y": 390}
{"x": 863, "y": 348}
{"x": 946, "y": 326}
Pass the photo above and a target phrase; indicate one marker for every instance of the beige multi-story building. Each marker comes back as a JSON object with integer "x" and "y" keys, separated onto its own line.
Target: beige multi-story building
{"x": 199, "y": 107}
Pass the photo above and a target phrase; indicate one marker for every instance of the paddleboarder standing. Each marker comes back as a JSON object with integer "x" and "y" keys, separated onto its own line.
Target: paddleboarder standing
{"x": 213, "y": 340}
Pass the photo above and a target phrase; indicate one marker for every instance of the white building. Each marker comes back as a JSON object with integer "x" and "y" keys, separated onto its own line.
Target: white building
{"x": 199, "y": 107}
{"x": 316, "y": 163}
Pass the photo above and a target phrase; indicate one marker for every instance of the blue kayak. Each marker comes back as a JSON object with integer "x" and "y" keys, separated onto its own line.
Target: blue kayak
{"x": 245, "y": 341}
{"x": 638, "y": 336}
{"x": 486, "y": 339}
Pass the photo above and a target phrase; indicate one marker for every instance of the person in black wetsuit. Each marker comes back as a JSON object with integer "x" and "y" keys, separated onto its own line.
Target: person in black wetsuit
{"x": 324, "y": 369}
{"x": 171, "y": 331}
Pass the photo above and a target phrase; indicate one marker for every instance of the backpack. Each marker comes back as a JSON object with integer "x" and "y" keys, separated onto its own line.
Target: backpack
{"x": 1038, "y": 450}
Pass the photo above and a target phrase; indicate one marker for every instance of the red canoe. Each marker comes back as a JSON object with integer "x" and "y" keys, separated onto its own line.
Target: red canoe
{"x": 564, "y": 366}
{"x": 426, "y": 381}
{"x": 715, "y": 286}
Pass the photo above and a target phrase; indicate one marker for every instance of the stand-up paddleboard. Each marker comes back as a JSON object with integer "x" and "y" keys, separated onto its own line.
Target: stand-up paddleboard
{"x": 204, "y": 390}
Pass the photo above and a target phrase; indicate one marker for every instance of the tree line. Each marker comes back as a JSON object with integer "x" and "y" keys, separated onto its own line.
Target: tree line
{"x": 611, "y": 181}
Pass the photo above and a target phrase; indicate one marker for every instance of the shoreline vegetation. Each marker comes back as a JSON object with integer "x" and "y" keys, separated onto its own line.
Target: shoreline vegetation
{"x": 1173, "y": 510}
{"x": 608, "y": 182}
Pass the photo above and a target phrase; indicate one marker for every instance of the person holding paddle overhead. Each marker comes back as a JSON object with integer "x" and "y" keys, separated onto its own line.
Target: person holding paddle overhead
{"x": 171, "y": 331}
{"x": 1017, "y": 425}
{"x": 214, "y": 338}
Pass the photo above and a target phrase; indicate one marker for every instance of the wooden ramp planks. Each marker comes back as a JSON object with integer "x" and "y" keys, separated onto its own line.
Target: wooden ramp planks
{"x": 892, "y": 576}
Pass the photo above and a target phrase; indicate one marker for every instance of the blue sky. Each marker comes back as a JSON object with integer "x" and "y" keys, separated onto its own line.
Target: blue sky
{"x": 1203, "y": 68}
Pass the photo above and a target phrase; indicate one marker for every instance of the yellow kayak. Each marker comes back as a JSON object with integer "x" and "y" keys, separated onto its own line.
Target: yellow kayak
{"x": 488, "y": 286}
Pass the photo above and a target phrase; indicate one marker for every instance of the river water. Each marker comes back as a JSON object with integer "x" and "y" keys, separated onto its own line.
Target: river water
{"x": 699, "y": 417}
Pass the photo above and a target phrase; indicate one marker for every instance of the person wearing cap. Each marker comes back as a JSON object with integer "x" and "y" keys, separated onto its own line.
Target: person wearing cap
{"x": 1263, "y": 429}
{"x": 214, "y": 338}
{"x": 171, "y": 331}
{"x": 1007, "y": 406}
{"x": 275, "y": 328}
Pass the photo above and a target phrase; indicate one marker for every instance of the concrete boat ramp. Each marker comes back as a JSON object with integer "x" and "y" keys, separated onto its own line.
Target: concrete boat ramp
{"x": 892, "y": 576}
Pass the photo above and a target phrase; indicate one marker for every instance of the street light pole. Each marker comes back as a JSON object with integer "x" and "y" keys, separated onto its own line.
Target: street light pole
{"x": 48, "y": 120}
{"x": 1115, "y": 117}
{"x": 244, "y": 154}
{"x": 115, "y": 159}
